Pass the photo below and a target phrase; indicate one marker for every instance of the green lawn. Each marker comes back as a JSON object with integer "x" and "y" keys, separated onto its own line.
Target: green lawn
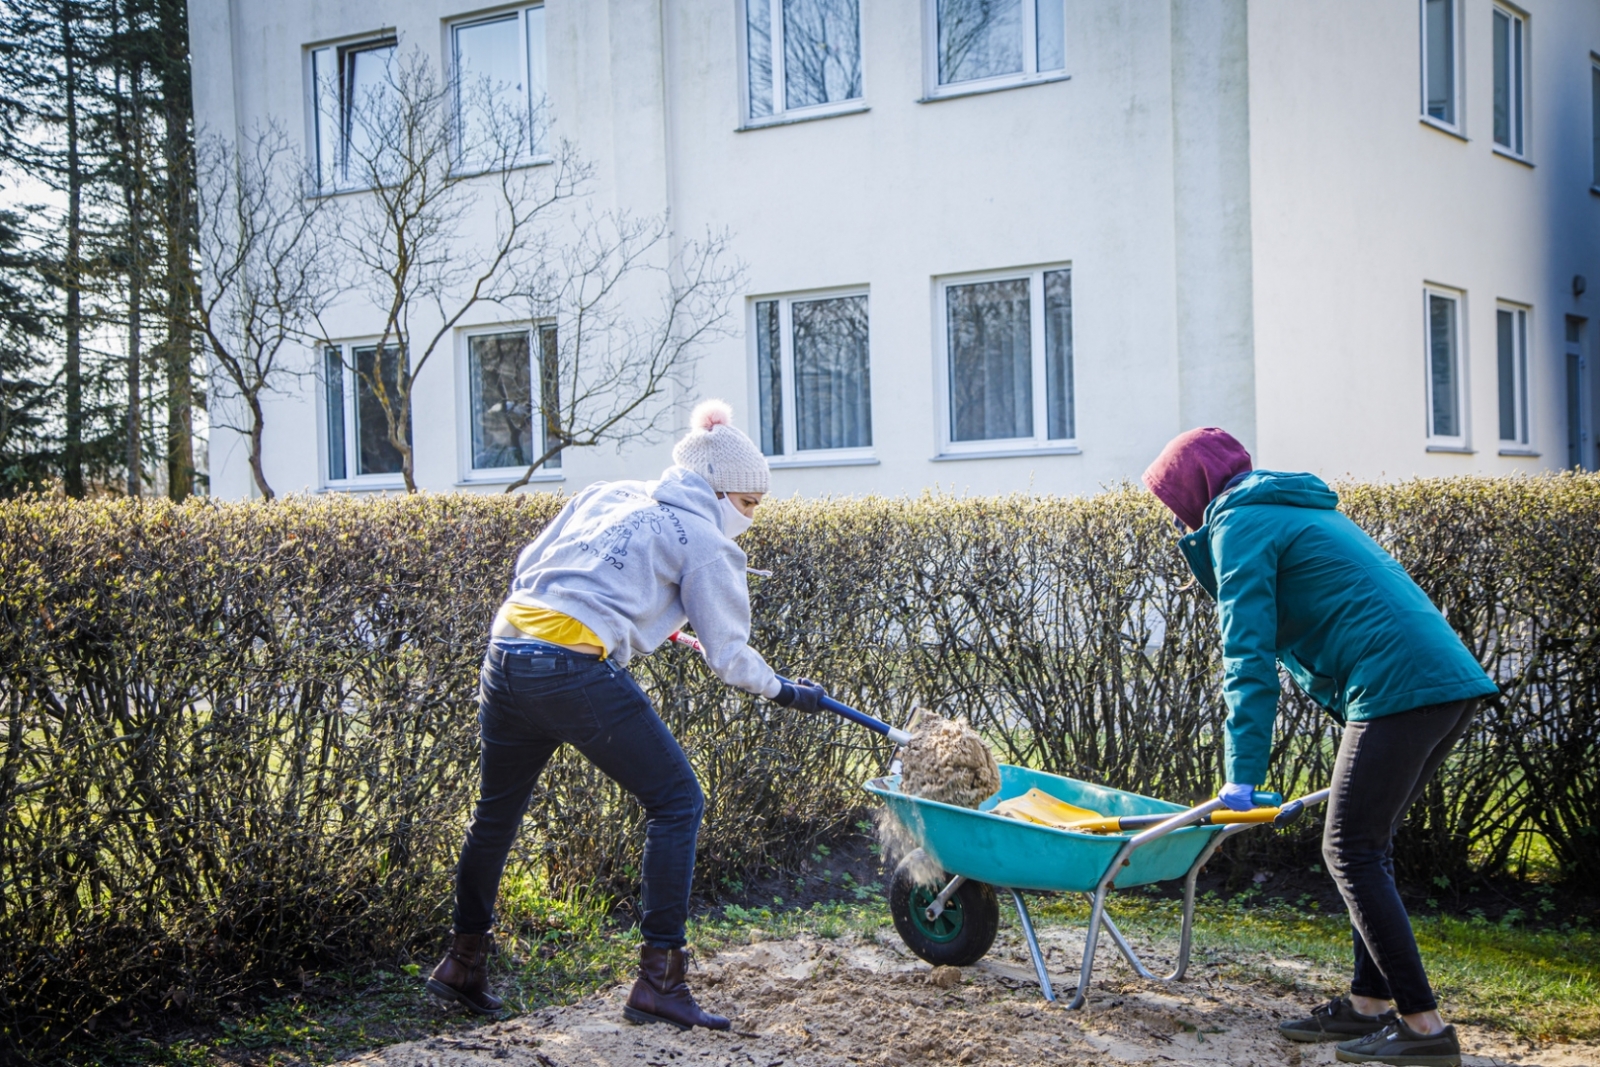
{"x": 1537, "y": 983}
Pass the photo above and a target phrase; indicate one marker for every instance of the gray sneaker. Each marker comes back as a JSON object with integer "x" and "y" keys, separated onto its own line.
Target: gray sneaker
{"x": 1337, "y": 1020}
{"x": 1399, "y": 1045}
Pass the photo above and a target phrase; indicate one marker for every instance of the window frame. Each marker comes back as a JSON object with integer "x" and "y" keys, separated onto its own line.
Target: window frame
{"x": 1521, "y": 443}
{"x": 792, "y": 456}
{"x": 351, "y": 419}
{"x": 1519, "y": 43}
{"x": 1458, "y": 127}
{"x": 538, "y": 133}
{"x": 1029, "y": 75}
{"x": 1594, "y": 119}
{"x": 1041, "y": 443}
{"x": 339, "y": 49}
{"x": 466, "y": 473}
{"x": 1459, "y": 442}
{"x": 781, "y": 115}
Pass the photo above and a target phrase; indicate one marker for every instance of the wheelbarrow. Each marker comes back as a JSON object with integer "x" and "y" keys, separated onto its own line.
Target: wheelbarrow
{"x": 979, "y": 851}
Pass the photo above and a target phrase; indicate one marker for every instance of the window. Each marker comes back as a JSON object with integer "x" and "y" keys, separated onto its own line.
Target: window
{"x": 1008, "y": 361}
{"x": 498, "y": 64}
{"x": 814, "y": 377}
{"x": 356, "y": 378}
{"x": 511, "y": 400}
{"x": 801, "y": 57}
{"x": 1582, "y": 452}
{"x": 978, "y": 44}
{"x": 1445, "y": 407}
{"x": 1439, "y": 66}
{"x": 1511, "y": 337}
{"x": 350, "y": 88}
{"x": 1508, "y": 81}
{"x": 1594, "y": 117}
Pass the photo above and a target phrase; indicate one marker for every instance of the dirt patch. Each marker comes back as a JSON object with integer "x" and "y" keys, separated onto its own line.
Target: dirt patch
{"x": 946, "y": 761}
{"x": 810, "y": 1002}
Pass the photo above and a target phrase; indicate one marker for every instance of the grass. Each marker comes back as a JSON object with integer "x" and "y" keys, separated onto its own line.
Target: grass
{"x": 1538, "y": 983}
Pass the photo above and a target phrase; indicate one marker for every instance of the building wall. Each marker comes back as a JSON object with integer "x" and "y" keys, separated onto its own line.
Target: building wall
{"x": 1356, "y": 203}
{"x": 1245, "y": 195}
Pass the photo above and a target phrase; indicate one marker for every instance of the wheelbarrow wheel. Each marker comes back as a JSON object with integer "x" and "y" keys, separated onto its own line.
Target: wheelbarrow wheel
{"x": 961, "y": 934}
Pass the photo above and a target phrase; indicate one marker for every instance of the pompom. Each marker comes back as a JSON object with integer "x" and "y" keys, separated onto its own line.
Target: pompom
{"x": 709, "y": 413}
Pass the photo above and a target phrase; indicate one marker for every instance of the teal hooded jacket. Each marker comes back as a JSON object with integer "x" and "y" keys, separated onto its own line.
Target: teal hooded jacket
{"x": 1297, "y": 583}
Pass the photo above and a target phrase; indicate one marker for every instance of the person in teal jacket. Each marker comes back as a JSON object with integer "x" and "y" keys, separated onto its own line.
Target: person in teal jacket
{"x": 1298, "y": 584}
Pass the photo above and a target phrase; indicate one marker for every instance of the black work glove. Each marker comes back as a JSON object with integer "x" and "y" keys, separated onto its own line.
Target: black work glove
{"x": 802, "y": 693}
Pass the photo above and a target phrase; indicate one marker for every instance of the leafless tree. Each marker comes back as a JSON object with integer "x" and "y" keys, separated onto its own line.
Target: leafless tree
{"x": 268, "y": 272}
{"x": 431, "y": 158}
{"x": 613, "y": 372}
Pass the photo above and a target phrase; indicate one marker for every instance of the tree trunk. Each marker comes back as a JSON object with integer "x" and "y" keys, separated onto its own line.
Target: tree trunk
{"x": 258, "y": 422}
{"x": 133, "y": 192}
{"x": 72, "y": 371}
{"x": 179, "y": 158}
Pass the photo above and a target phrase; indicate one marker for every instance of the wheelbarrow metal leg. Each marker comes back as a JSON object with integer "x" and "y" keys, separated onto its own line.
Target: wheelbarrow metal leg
{"x": 1090, "y": 941}
{"x": 1127, "y": 950}
{"x": 1033, "y": 948}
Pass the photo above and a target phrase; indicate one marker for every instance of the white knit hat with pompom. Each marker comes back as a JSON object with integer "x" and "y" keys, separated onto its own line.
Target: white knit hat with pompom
{"x": 720, "y": 453}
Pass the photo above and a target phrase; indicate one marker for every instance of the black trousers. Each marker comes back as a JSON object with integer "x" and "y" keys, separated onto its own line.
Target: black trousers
{"x": 533, "y": 698}
{"x": 1379, "y": 773}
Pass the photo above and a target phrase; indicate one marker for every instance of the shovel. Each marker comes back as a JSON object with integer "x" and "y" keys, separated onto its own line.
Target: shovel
{"x": 844, "y": 711}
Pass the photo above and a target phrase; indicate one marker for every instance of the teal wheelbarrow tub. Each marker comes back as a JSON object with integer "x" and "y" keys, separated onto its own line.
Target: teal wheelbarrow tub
{"x": 980, "y": 852}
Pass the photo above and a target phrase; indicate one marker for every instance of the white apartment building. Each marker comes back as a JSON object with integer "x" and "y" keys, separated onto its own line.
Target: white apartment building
{"x": 997, "y": 245}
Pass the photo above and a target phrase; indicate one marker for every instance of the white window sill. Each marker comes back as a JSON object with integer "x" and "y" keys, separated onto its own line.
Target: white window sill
{"x": 1009, "y": 453}
{"x": 992, "y": 85}
{"x": 789, "y": 118}
{"x": 1506, "y": 153}
{"x": 507, "y": 475}
{"x": 1460, "y": 450}
{"x": 1434, "y": 123}
{"x": 376, "y": 485}
{"x": 479, "y": 172}
{"x": 850, "y": 458}
{"x": 1519, "y": 450}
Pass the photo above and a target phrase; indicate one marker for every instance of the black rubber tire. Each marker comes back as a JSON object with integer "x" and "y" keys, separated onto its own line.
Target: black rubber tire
{"x": 961, "y": 935}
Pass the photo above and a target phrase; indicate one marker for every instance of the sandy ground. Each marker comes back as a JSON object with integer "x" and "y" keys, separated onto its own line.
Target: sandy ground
{"x": 810, "y": 1002}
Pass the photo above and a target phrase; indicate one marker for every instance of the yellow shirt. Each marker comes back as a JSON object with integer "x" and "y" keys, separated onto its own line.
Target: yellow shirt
{"x": 546, "y": 624}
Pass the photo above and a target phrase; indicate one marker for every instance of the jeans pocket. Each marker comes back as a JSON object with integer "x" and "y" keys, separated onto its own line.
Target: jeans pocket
{"x": 550, "y": 693}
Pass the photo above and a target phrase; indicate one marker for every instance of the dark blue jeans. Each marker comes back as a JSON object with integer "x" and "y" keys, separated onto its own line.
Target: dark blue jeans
{"x": 1381, "y": 769}
{"x": 533, "y": 698}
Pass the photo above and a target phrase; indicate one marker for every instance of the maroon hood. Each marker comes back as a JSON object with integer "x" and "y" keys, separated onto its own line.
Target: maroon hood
{"x": 1192, "y": 470}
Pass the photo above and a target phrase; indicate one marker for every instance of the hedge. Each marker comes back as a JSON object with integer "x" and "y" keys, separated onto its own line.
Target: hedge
{"x": 239, "y": 739}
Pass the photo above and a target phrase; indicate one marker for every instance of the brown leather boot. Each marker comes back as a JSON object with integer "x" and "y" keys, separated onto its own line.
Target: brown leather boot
{"x": 662, "y": 996}
{"x": 463, "y": 974}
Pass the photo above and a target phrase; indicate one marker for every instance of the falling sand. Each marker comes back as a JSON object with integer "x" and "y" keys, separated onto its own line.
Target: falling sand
{"x": 946, "y": 761}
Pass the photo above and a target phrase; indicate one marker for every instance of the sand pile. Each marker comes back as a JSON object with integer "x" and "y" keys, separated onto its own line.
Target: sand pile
{"x": 946, "y": 761}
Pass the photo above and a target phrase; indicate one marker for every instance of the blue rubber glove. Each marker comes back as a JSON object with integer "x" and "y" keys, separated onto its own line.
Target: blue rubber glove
{"x": 1238, "y": 797}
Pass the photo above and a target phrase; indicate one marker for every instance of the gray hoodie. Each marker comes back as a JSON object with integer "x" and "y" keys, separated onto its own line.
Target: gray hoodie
{"x": 634, "y": 561}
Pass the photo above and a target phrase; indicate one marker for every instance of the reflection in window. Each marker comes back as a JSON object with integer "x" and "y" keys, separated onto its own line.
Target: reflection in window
{"x": 377, "y": 388}
{"x": 1511, "y": 336}
{"x": 1508, "y": 52}
{"x": 991, "y": 360}
{"x": 1444, "y": 408}
{"x": 980, "y": 39}
{"x": 508, "y": 430}
{"x": 813, "y": 373}
{"x": 801, "y": 54}
{"x": 1439, "y": 60}
{"x": 333, "y": 398}
{"x": 832, "y": 386}
{"x": 352, "y": 98}
{"x": 499, "y": 68}
{"x": 1008, "y": 345}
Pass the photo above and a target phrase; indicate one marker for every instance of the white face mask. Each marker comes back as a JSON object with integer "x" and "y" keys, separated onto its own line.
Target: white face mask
{"x": 734, "y": 521}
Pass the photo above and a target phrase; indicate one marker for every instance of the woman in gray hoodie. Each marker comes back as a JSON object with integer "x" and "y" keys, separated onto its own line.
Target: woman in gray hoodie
{"x": 620, "y": 568}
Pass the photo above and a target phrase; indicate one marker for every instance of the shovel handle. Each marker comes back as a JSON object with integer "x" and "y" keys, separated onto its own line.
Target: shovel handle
{"x": 845, "y": 711}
